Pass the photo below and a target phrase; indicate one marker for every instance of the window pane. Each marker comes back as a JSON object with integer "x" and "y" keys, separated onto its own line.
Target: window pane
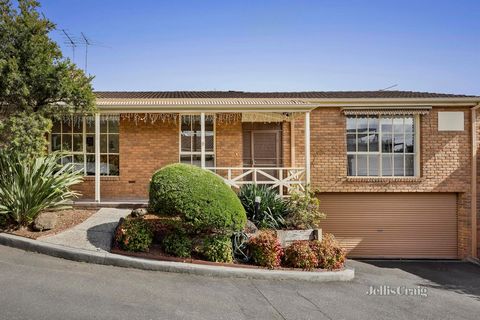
{"x": 78, "y": 125}
{"x": 67, "y": 125}
{"x": 373, "y": 124}
{"x": 56, "y": 142}
{"x": 386, "y": 124}
{"x": 78, "y": 142}
{"x": 113, "y": 126}
{"x": 409, "y": 143}
{"x": 196, "y": 140}
{"x": 209, "y": 124}
{"x": 196, "y": 123}
{"x": 103, "y": 143}
{"x": 113, "y": 143}
{"x": 103, "y": 165}
{"x": 387, "y": 165}
{"x": 90, "y": 124}
{"x": 103, "y": 126}
{"x": 186, "y": 159}
{"x": 398, "y": 165}
{"x": 56, "y": 126}
{"x": 351, "y": 142}
{"x": 398, "y": 125}
{"x": 373, "y": 142}
{"x": 351, "y": 165}
{"x": 90, "y": 142}
{"x": 186, "y": 124}
{"x": 362, "y": 165}
{"x": 409, "y": 165}
{"x": 398, "y": 145}
{"x": 79, "y": 161}
{"x": 209, "y": 141}
{"x": 387, "y": 143}
{"x": 362, "y": 124}
{"x": 351, "y": 124}
{"x": 409, "y": 125}
{"x": 90, "y": 168}
{"x": 196, "y": 160}
{"x": 67, "y": 142}
{"x": 209, "y": 161}
{"x": 186, "y": 141}
{"x": 373, "y": 164}
{"x": 362, "y": 142}
{"x": 113, "y": 165}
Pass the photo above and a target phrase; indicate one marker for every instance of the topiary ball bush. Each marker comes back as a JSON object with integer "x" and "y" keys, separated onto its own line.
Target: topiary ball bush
{"x": 199, "y": 197}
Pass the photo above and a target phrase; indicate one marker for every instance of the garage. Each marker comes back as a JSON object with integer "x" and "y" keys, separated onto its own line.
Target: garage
{"x": 393, "y": 225}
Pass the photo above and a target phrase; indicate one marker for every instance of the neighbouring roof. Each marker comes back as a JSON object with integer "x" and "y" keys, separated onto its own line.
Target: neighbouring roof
{"x": 274, "y": 95}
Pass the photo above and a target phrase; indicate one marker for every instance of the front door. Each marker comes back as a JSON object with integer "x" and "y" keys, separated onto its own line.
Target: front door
{"x": 262, "y": 145}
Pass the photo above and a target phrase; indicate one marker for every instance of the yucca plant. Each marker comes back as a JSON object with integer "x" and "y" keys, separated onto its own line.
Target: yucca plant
{"x": 272, "y": 209}
{"x": 28, "y": 187}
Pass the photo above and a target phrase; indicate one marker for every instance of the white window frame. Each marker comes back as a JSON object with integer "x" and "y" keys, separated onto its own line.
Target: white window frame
{"x": 84, "y": 152}
{"x": 197, "y": 153}
{"x": 416, "y": 150}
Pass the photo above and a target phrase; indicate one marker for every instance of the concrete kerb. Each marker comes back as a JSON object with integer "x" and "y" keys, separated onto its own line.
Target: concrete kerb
{"x": 88, "y": 256}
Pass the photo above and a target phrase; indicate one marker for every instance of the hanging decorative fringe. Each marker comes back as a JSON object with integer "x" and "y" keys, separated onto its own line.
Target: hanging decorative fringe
{"x": 150, "y": 117}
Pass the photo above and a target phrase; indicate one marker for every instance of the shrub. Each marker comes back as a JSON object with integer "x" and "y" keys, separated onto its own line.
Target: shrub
{"x": 30, "y": 186}
{"x": 265, "y": 250}
{"x": 199, "y": 197}
{"x": 217, "y": 248}
{"x": 330, "y": 254}
{"x": 134, "y": 235}
{"x": 300, "y": 255}
{"x": 304, "y": 211}
{"x": 272, "y": 208}
{"x": 178, "y": 244}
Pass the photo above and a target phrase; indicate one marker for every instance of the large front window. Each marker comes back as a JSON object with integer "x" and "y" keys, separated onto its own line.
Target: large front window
{"x": 381, "y": 146}
{"x": 190, "y": 137}
{"x": 75, "y": 136}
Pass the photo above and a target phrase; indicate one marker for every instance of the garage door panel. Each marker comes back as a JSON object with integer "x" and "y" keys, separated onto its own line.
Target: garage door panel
{"x": 393, "y": 225}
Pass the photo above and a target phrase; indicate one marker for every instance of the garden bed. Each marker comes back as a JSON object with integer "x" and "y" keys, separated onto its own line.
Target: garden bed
{"x": 66, "y": 219}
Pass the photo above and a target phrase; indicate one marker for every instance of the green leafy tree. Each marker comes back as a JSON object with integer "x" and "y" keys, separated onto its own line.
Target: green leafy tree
{"x": 37, "y": 83}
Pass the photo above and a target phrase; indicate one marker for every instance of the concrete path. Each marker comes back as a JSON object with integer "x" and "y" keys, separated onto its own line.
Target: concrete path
{"x": 94, "y": 234}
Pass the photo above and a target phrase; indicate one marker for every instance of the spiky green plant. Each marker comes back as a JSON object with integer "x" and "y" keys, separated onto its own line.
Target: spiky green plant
{"x": 272, "y": 208}
{"x": 30, "y": 186}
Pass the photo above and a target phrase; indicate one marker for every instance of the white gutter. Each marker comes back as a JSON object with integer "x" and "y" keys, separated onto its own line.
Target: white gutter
{"x": 473, "y": 187}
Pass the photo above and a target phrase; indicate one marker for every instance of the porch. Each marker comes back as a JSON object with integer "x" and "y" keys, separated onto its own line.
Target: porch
{"x": 240, "y": 146}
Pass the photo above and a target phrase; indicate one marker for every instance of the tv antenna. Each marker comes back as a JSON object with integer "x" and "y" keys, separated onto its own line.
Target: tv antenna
{"x": 71, "y": 41}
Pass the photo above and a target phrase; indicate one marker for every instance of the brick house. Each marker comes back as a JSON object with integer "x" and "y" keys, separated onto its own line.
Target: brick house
{"x": 395, "y": 171}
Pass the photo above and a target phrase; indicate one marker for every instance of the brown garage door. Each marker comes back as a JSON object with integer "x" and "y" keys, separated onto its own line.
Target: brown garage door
{"x": 393, "y": 225}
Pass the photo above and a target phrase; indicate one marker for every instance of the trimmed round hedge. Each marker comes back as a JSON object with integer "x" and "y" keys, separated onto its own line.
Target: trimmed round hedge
{"x": 198, "y": 196}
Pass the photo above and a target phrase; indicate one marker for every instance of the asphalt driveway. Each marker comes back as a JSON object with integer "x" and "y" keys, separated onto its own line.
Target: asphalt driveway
{"x": 35, "y": 286}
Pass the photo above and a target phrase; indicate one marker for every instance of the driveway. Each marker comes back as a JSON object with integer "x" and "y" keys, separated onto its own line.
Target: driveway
{"x": 35, "y": 286}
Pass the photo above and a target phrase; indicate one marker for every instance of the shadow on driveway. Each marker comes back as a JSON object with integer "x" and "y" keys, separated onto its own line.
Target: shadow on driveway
{"x": 461, "y": 277}
{"x": 100, "y": 236}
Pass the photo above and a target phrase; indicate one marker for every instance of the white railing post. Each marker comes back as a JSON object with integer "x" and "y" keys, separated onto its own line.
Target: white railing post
{"x": 280, "y": 186}
{"x": 307, "y": 148}
{"x": 202, "y": 139}
{"x": 97, "y": 157}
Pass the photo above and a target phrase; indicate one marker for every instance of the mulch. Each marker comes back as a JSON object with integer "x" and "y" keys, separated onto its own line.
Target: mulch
{"x": 66, "y": 219}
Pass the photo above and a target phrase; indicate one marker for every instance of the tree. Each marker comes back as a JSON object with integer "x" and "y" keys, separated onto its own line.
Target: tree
{"x": 37, "y": 83}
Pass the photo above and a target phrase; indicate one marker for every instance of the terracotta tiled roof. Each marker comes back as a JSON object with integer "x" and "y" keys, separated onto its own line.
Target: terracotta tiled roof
{"x": 273, "y": 95}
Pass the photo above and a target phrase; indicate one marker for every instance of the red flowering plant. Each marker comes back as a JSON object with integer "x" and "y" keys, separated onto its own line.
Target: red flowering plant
{"x": 300, "y": 255}
{"x": 265, "y": 250}
{"x": 329, "y": 253}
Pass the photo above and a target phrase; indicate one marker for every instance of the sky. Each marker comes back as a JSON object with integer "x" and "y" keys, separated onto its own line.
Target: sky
{"x": 278, "y": 45}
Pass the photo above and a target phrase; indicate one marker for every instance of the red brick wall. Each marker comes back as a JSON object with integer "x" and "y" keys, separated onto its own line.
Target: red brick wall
{"x": 144, "y": 148}
{"x": 444, "y": 163}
